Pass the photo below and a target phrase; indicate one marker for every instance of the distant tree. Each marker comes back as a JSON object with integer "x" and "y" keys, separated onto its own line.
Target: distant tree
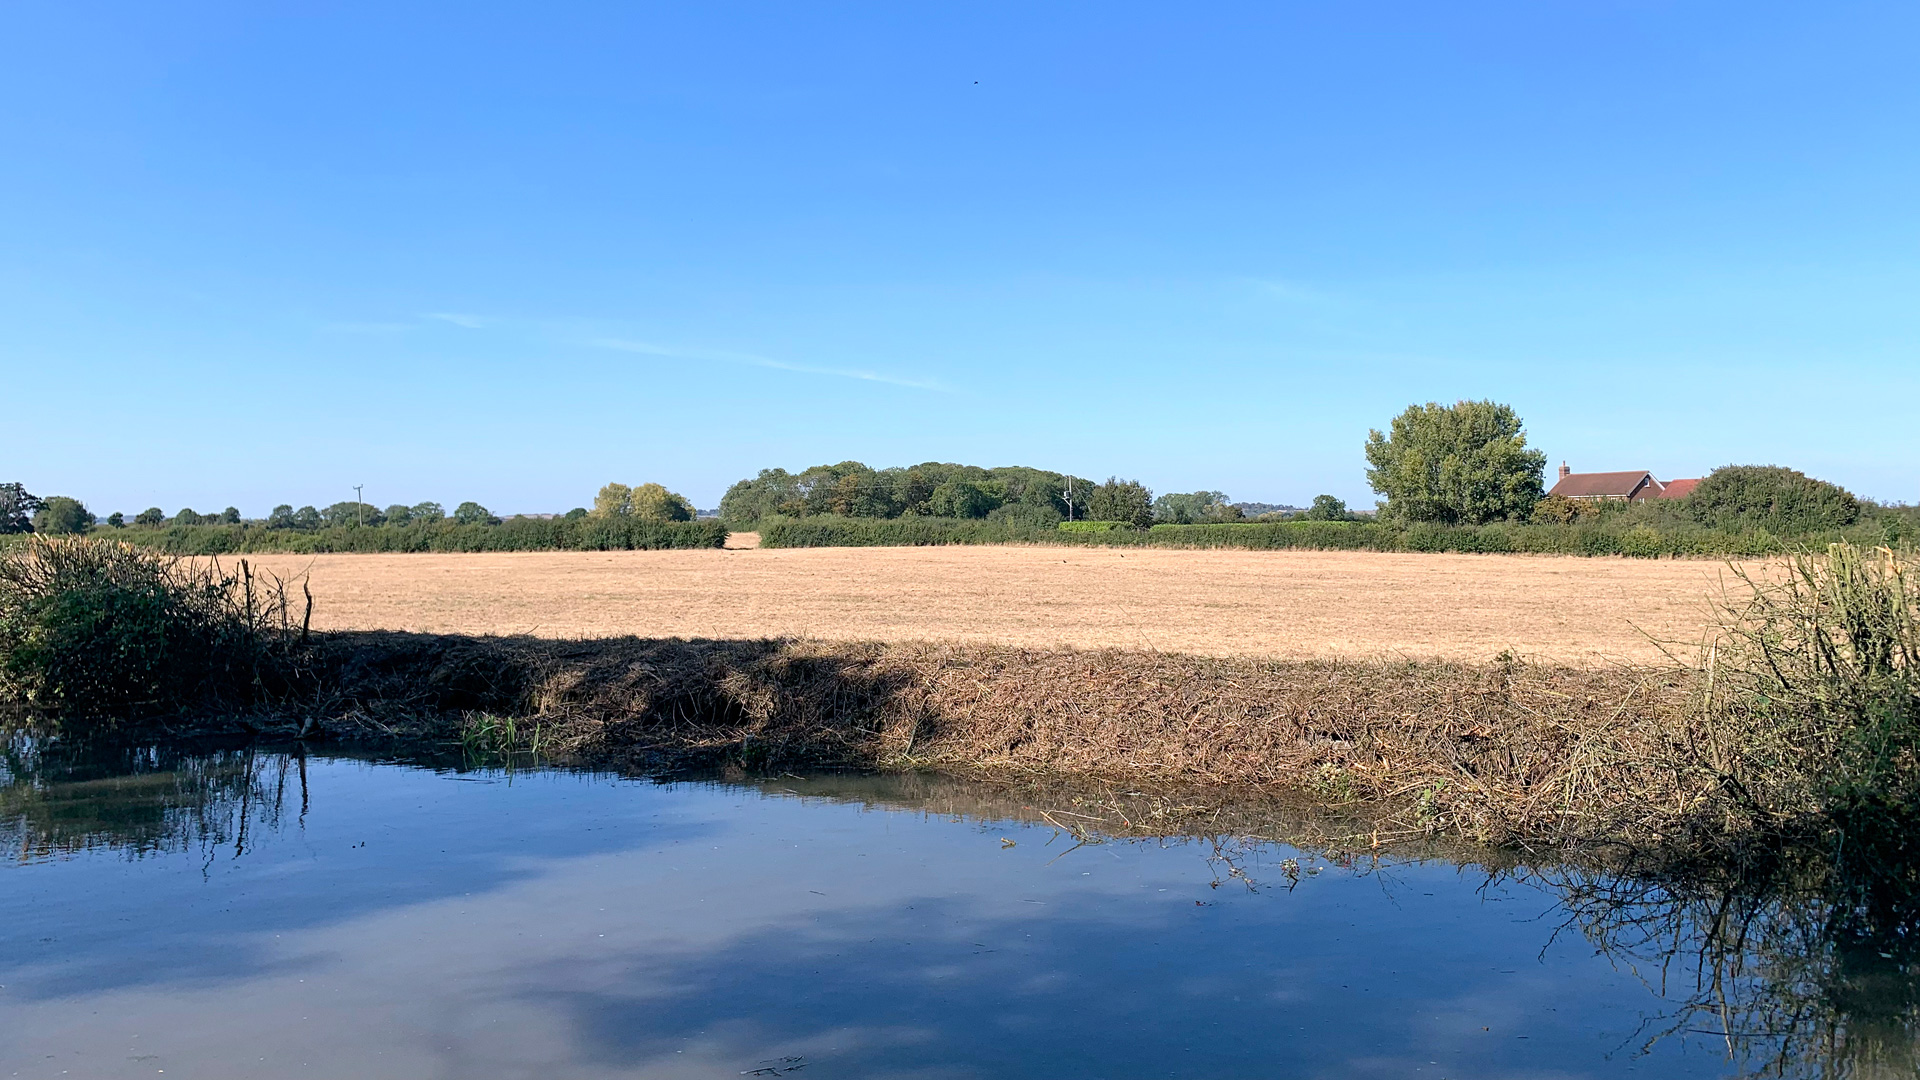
{"x": 397, "y": 514}
{"x": 62, "y": 516}
{"x": 230, "y": 516}
{"x": 1461, "y": 464}
{"x": 17, "y": 507}
{"x": 1326, "y": 508}
{"x": 117, "y": 520}
{"x": 307, "y": 519}
{"x": 965, "y": 499}
{"x": 1121, "y": 500}
{"x": 428, "y": 512}
{"x": 576, "y": 513}
{"x": 472, "y": 513}
{"x": 152, "y": 515}
{"x": 351, "y": 513}
{"x": 613, "y": 500}
{"x": 652, "y": 502}
{"x": 187, "y": 516}
{"x": 1772, "y": 498}
{"x": 1194, "y": 508}
{"x": 281, "y": 517}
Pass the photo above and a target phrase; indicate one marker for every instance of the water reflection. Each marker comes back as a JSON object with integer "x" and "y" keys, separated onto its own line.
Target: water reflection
{"x": 478, "y": 922}
{"x": 138, "y": 800}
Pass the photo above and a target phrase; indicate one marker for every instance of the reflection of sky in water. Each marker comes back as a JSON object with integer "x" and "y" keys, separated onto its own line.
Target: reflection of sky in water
{"x": 423, "y": 925}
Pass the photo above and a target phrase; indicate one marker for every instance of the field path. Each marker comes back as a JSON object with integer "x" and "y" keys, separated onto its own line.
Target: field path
{"x": 1290, "y": 604}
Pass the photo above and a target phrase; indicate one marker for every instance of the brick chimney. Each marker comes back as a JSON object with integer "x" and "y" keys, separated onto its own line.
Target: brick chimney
{"x": 1564, "y": 470}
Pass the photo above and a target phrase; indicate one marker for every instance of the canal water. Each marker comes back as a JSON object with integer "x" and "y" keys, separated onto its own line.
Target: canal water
{"x": 249, "y": 914}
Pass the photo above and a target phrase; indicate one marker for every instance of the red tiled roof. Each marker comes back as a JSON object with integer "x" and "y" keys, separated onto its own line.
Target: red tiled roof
{"x": 1678, "y": 489}
{"x": 1602, "y": 485}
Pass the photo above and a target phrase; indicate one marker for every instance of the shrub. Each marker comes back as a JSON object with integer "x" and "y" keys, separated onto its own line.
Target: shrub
{"x": 109, "y": 632}
{"x": 152, "y": 515}
{"x": 1814, "y": 687}
{"x": 833, "y": 531}
{"x": 1091, "y": 526}
{"x": 1768, "y": 497}
{"x": 62, "y": 516}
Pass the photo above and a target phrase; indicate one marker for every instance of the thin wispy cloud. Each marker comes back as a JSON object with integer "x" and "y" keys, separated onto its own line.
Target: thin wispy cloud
{"x": 1294, "y": 292}
{"x": 649, "y": 349}
{"x": 471, "y": 322}
{"x": 366, "y": 327}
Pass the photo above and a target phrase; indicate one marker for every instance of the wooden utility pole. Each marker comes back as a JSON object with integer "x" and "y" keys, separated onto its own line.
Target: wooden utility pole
{"x": 359, "y": 505}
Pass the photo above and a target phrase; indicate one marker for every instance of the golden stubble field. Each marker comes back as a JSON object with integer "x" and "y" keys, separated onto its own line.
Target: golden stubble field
{"x": 1286, "y": 604}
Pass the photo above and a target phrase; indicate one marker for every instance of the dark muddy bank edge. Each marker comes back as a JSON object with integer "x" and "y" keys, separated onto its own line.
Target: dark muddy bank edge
{"x": 1502, "y": 753}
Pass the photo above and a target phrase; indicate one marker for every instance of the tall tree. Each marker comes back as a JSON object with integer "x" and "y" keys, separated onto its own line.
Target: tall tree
{"x": 1121, "y": 500}
{"x": 17, "y": 507}
{"x": 1461, "y": 464}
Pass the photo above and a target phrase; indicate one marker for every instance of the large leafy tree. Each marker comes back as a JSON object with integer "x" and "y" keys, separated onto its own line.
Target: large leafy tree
{"x": 63, "y": 515}
{"x": 1772, "y": 498}
{"x": 1121, "y": 500}
{"x": 17, "y": 507}
{"x": 653, "y": 502}
{"x": 1461, "y": 464}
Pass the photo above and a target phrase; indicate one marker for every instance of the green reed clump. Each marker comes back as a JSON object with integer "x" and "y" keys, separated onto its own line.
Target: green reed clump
{"x": 95, "y": 633}
{"x": 1813, "y": 691}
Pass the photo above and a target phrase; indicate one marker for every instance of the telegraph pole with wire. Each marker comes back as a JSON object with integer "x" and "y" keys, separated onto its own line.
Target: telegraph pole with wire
{"x": 359, "y": 505}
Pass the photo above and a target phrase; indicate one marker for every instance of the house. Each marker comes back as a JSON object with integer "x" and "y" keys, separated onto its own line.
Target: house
{"x": 1628, "y": 486}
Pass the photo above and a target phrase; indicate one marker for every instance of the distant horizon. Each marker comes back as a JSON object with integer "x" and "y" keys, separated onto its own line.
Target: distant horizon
{"x": 252, "y": 256}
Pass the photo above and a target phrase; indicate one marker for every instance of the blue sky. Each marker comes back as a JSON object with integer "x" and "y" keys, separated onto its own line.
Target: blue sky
{"x": 254, "y": 254}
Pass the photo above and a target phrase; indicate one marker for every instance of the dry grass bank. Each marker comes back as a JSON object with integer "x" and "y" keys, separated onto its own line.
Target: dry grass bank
{"x": 1500, "y": 753}
{"x": 1288, "y": 604}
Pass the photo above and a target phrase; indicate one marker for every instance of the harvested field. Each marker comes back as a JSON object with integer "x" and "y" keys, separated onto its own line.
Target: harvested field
{"x": 1285, "y": 604}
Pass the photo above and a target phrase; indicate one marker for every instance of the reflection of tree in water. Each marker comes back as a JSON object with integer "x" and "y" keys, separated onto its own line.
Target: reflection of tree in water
{"x": 56, "y": 801}
{"x": 1811, "y": 969}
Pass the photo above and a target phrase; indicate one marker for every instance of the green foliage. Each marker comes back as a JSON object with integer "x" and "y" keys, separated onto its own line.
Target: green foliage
{"x": 1768, "y": 497}
{"x": 828, "y": 530}
{"x": 397, "y": 514}
{"x": 653, "y": 502}
{"x": 307, "y": 519}
{"x": 1128, "y": 501}
{"x": 281, "y": 517}
{"x": 1026, "y": 515}
{"x": 62, "y": 516}
{"x": 1194, "y": 508}
{"x": 613, "y": 500}
{"x": 117, "y": 520}
{"x": 152, "y": 515}
{"x": 17, "y": 507}
{"x": 1091, "y": 526}
{"x": 342, "y": 514}
{"x": 1326, "y": 508}
{"x": 851, "y": 489}
{"x": 965, "y": 499}
{"x": 108, "y": 632}
{"x": 1462, "y": 464}
{"x": 583, "y": 533}
{"x": 576, "y": 513}
{"x": 427, "y": 512}
{"x": 188, "y": 516}
{"x": 472, "y": 513}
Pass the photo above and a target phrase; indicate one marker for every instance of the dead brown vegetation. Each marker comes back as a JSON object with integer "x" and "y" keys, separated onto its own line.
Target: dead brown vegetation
{"x": 1502, "y": 753}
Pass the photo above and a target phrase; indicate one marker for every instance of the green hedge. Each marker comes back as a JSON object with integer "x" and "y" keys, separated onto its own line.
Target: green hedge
{"x": 1604, "y": 537}
{"x": 514, "y": 534}
{"x": 1091, "y": 526}
{"x": 832, "y": 531}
